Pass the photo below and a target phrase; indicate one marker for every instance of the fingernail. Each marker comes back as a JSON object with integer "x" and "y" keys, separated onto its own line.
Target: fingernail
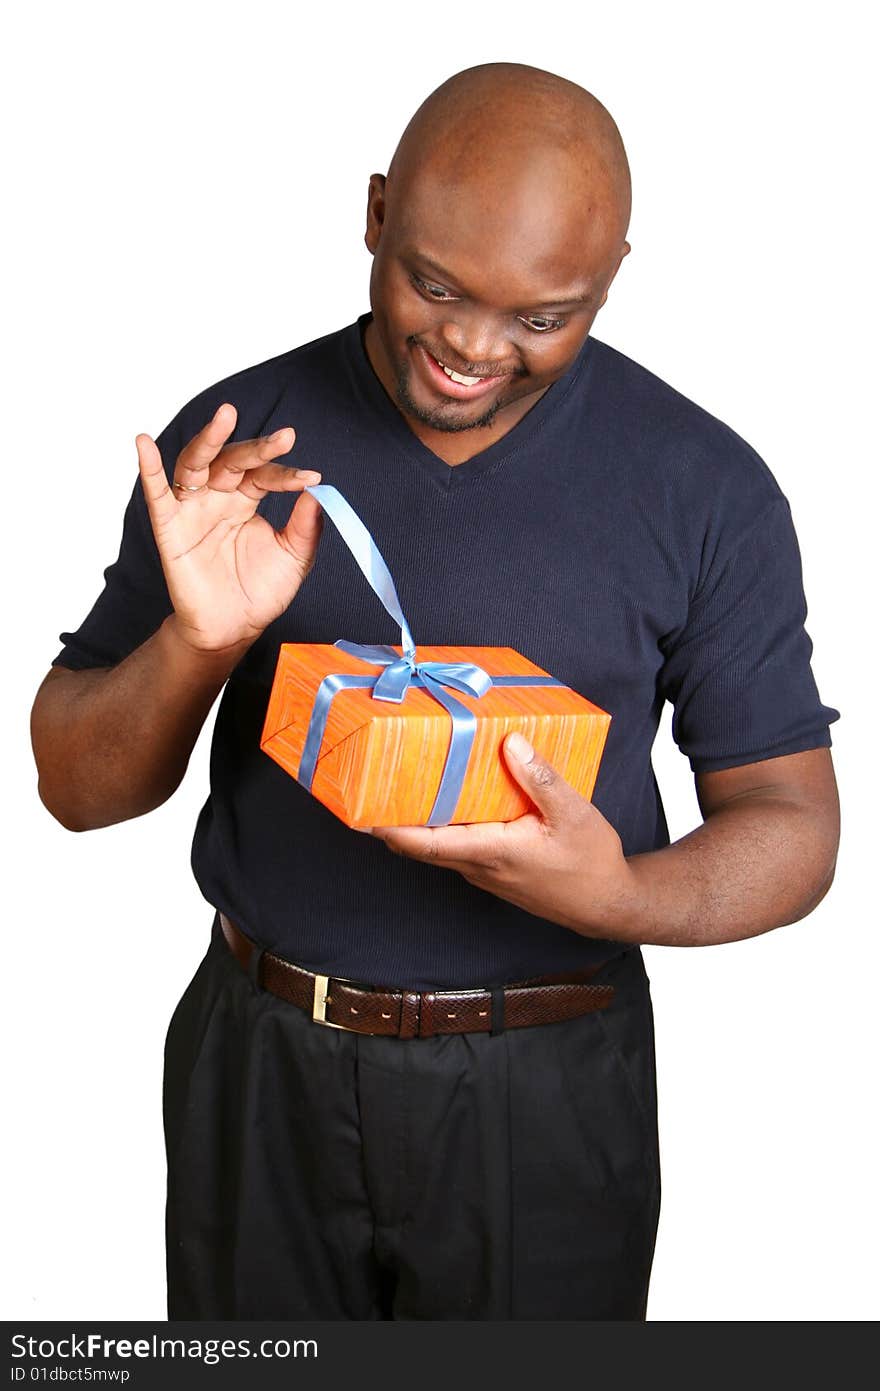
{"x": 308, "y": 473}
{"x": 365, "y": 830}
{"x": 520, "y": 748}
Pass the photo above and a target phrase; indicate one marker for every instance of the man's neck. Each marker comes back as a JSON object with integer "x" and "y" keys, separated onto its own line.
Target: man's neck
{"x": 456, "y": 447}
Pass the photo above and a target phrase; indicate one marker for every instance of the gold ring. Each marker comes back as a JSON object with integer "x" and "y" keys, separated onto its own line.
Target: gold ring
{"x": 186, "y": 488}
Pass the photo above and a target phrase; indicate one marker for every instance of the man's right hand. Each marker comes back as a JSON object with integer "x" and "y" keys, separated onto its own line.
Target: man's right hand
{"x": 229, "y": 573}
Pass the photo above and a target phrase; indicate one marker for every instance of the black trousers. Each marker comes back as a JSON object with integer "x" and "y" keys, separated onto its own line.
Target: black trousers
{"x": 318, "y": 1174}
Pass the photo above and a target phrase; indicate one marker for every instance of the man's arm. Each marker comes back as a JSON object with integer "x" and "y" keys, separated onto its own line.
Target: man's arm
{"x": 764, "y": 856}
{"x": 114, "y": 742}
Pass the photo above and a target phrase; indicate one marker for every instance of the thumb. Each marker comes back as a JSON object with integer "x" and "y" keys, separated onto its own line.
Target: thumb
{"x": 546, "y": 787}
{"x": 303, "y": 531}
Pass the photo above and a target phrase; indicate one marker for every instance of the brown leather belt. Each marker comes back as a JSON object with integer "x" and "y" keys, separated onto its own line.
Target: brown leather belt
{"x": 342, "y": 1004}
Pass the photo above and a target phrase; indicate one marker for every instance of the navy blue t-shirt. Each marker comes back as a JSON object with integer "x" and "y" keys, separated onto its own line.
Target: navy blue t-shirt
{"x": 618, "y": 536}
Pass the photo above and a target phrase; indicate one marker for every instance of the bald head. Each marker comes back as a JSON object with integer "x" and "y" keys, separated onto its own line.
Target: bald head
{"x": 503, "y": 124}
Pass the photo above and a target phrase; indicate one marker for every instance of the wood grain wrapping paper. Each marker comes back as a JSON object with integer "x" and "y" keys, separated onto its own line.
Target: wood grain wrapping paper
{"x": 380, "y": 763}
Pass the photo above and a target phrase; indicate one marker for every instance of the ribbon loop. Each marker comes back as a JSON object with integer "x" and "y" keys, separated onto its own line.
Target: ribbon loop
{"x": 463, "y": 676}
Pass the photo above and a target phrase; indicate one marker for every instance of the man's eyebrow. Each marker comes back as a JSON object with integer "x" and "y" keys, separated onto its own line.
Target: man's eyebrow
{"x": 579, "y": 296}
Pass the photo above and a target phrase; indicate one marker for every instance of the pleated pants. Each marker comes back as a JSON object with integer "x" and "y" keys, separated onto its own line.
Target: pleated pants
{"x": 320, "y": 1174}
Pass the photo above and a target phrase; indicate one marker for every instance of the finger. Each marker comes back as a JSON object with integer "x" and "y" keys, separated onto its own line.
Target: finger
{"x": 157, "y": 494}
{"x": 195, "y": 459}
{"x": 555, "y": 798}
{"x": 275, "y": 478}
{"x": 450, "y": 847}
{"x": 303, "y": 531}
{"x": 235, "y": 461}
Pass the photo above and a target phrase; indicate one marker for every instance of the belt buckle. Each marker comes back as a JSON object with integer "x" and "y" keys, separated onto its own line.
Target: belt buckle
{"x": 319, "y": 1005}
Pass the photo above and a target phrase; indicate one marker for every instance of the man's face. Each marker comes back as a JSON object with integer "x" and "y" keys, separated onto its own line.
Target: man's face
{"x": 500, "y": 289}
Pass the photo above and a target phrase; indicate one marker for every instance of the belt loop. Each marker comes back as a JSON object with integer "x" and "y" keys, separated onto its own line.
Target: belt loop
{"x": 254, "y": 965}
{"x": 410, "y": 1014}
{"x": 497, "y": 994}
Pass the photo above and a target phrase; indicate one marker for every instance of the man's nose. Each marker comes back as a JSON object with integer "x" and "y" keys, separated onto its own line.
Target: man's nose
{"x": 476, "y": 341}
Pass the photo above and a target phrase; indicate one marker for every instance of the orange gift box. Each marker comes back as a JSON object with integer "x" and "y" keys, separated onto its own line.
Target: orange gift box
{"x": 380, "y": 762}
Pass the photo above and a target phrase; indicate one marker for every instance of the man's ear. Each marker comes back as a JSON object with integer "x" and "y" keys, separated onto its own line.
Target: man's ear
{"x": 625, "y": 252}
{"x": 375, "y": 212}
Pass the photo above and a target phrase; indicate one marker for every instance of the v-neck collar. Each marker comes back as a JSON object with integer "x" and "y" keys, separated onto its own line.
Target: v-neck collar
{"x": 448, "y": 476}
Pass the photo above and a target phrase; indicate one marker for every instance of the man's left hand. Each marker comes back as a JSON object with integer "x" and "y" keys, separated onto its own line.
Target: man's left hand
{"x": 562, "y": 861}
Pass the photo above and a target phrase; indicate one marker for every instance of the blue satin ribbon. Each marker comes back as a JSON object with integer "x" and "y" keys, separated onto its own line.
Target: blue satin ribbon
{"x": 401, "y": 670}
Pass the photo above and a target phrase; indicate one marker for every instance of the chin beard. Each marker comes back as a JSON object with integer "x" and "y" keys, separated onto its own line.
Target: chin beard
{"x": 437, "y": 418}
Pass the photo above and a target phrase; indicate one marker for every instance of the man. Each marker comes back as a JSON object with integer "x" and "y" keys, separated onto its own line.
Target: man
{"x": 445, "y": 1154}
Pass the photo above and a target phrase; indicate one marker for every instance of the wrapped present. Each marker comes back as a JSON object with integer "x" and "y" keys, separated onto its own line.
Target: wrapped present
{"x": 388, "y": 736}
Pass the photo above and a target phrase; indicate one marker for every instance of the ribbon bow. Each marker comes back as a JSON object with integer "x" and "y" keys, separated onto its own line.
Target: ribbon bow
{"x": 400, "y": 672}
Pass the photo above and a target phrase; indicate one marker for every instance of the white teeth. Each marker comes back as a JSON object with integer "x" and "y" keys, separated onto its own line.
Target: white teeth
{"x": 457, "y": 377}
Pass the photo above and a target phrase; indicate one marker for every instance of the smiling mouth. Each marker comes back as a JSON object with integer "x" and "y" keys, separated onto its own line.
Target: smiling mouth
{"x": 457, "y": 376}
{"x": 456, "y": 384}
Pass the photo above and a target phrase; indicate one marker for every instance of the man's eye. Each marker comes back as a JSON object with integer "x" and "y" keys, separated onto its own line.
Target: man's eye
{"x": 540, "y": 323}
{"x": 432, "y": 291}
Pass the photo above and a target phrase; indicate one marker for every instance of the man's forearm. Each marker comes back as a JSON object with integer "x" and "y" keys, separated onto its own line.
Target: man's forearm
{"x": 114, "y": 743}
{"x": 756, "y": 863}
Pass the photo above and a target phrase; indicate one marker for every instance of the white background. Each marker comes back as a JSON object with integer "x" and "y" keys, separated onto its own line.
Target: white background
{"x": 186, "y": 194}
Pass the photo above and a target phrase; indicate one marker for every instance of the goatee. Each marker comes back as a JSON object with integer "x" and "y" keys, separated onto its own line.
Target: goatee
{"x": 436, "y": 418}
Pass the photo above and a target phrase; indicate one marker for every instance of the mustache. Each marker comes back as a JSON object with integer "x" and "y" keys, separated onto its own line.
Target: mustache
{"x": 468, "y": 369}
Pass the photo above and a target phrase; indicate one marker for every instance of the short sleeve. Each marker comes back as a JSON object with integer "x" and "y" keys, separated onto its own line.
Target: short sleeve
{"x": 134, "y": 601}
{"x": 738, "y": 674}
